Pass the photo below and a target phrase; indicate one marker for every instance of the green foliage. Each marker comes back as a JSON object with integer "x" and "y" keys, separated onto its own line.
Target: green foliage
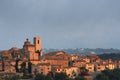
{"x": 23, "y": 65}
{"x": 48, "y": 77}
{"x": 26, "y": 77}
{"x": 51, "y": 74}
{"x": 61, "y": 76}
{"x": 109, "y": 75}
{"x": 29, "y": 67}
{"x": 23, "y": 68}
{"x": 16, "y": 65}
{"x": 6, "y": 58}
{"x": 112, "y": 56}
{"x": 80, "y": 78}
{"x": 83, "y": 69}
{"x": 15, "y": 78}
{"x": 43, "y": 77}
{"x": 102, "y": 77}
{"x": 11, "y": 78}
{"x": 40, "y": 77}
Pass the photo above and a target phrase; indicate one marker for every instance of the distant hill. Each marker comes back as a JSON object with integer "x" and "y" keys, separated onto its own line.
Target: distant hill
{"x": 113, "y": 56}
{"x": 85, "y": 51}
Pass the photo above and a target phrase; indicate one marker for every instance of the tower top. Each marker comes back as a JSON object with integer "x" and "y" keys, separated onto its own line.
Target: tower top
{"x": 38, "y": 37}
{"x": 27, "y": 39}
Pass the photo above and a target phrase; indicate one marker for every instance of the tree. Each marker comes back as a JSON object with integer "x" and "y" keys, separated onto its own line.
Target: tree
{"x": 16, "y": 77}
{"x": 16, "y": 65}
{"x": 83, "y": 69}
{"x": 23, "y": 65}
{"x": 23, "y": 68}
{"x": 51, "y": 74}
{"x": 61, "y": 76}
{"x": 102, "y": 77}
{"x": 3, "y": 64}
{"x": 29, "y": 67}
{"x": 109, "y": 75}
{"x": 43, "y": 77}
{"x": 47, "y": 77}
{"x": 39, "y": 54}
{"x": 80, "y": 78}
{"x": 40, "y": 77}
{"x": 113, "y": 56}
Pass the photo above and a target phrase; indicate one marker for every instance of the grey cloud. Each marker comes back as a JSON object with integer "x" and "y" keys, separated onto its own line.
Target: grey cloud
{"x": 61, "y": 23}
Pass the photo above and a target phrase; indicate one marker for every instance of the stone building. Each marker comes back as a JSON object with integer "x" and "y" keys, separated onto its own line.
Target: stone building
{"x": 57, "y": 55}
{"x": 90, "y": 67}
{"x": 57, "y": 59}
{"x": 33, "y": 51}
{"x": 6, "y": 55}
{"x": 16, "y": 53}
{"x": 79, "y": 63}
{"x": 110, "y": 66}
{"x": 43, "y": 68}
{"x": 72, "y": 72}
{"x": 9, "y": 67}
{"x": 58, "y": 62}
{"x": 100, "y": 67}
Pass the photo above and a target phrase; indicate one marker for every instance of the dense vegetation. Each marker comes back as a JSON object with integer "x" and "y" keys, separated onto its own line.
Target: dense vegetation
{"x": 113, "y": 56}
{"x": 109, "y": 75}
{"x": 57, "y": 76}
{"x": 15, "y": 77}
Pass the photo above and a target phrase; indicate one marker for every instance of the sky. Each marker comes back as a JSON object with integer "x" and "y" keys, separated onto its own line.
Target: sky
{"x": 60, "y": 23}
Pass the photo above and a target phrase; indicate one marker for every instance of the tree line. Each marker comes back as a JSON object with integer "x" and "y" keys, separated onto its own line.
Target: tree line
{"x": 113, "y": 56}
{"x": 109, "y": 75}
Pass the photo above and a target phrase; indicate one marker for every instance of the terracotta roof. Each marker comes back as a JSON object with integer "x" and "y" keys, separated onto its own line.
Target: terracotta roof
{"x": 57, "y": 53}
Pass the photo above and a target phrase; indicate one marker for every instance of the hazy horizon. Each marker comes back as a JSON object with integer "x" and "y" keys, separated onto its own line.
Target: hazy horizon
{"x": 60, "y": 23}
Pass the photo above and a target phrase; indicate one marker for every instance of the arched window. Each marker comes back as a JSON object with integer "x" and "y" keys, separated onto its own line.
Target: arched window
{"x": 38, "y": 41}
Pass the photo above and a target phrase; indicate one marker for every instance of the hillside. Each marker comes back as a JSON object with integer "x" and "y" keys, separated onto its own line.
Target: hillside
{"x": 112, "y": 56}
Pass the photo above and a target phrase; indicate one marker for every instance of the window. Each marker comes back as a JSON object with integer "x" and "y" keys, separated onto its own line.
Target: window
{"x": 90, "y": 68}
{"x": 68, "y": 74}
{"x": 38, "y": 41}
{"x": 41, "y": 69}
{"x": 98, "y": 67}
{"x": 98, "y": 64}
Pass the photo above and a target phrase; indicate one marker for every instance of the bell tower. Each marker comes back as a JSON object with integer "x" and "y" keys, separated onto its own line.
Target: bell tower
{"x": 37, "y": 43}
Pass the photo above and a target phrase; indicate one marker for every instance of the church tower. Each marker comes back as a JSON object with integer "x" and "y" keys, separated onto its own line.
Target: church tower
{"x": 37, "y": 43}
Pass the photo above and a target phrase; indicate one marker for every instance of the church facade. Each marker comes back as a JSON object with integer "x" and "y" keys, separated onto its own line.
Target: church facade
{"x": 33, "y": 51}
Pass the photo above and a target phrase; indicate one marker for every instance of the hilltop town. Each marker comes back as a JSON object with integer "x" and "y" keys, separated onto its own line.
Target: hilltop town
{"x": 30, "y": 58}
